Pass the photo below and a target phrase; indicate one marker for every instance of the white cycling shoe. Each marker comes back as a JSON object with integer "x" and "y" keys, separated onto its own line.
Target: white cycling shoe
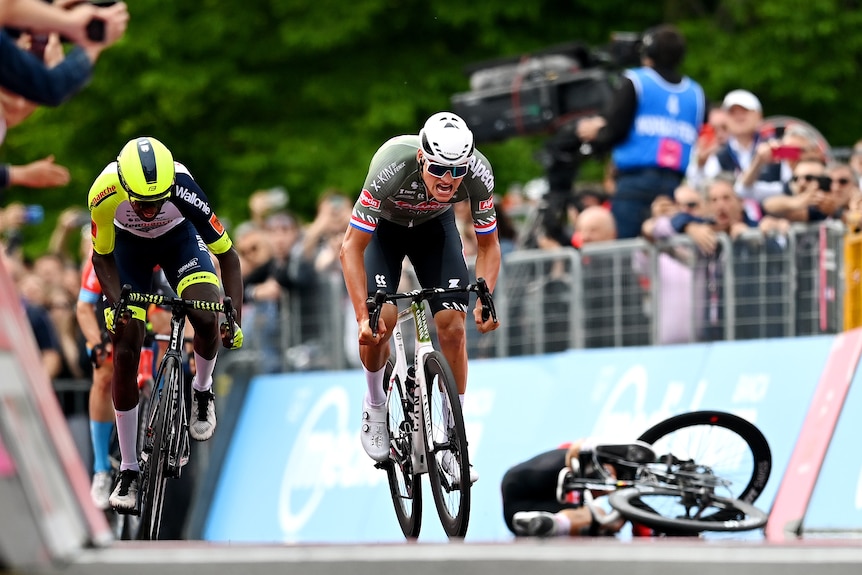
{"x": 451, "y": 468}
{"x": 374, "y": 434}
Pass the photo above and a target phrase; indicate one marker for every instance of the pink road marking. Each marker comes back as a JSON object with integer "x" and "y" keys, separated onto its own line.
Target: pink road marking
{"x": 797, "y": 485}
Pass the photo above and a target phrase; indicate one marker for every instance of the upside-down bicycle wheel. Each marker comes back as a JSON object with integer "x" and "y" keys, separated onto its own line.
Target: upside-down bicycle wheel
{"x": 449, "y": 449}
{"x": 732, "y": 447}
{"x": 666, "y": 509}
{"x": 155, "y": 468}
{"x": 405, "y": 486}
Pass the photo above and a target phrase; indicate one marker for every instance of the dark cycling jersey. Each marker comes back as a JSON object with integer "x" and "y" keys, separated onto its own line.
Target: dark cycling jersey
{"x": 109, "y": 207}
{"x": 394, "y": 191}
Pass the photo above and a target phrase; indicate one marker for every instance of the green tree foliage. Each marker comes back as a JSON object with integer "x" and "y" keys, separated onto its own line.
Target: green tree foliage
{"x": 251, "y": 95}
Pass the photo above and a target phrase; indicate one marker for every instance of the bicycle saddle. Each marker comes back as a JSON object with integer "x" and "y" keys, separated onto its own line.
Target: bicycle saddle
{"x": 625, "y": 458}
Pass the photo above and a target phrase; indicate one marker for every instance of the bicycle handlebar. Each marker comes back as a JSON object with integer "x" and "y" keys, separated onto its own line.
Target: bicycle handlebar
{"x": 127, "y": 296}
{"x": 375, "y": 303}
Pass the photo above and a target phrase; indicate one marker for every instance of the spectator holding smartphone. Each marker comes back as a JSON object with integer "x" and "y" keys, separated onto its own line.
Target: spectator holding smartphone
{"x": 27, "y": 75}
{"x": 811, "y": 198}
{"x": 774, "y": 163}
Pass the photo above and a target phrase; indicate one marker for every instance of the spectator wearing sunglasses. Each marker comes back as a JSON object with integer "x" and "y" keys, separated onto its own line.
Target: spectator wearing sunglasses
{"x": 405, "y": 210}
{"x": 812, "y": 198}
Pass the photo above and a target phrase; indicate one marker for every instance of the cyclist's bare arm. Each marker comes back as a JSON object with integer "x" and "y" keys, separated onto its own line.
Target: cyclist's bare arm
{"x": 231, "y": 276}
{"x": 109, "y": 276}
{"x": 353, "y": 266}
{"x": 488, "y": 261}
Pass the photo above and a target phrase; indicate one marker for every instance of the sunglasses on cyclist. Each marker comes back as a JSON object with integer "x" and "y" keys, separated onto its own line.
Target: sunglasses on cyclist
{"x": 148, "y": 204}
{"x": 439, "y": 170}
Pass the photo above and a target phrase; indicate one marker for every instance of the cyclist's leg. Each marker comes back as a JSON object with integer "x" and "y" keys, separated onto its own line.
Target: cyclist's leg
{"x": 439, "y": 262}
{"x": 127, "y": 342}
{"x": 101, "y": 410}
{"x": 190, "y": 271}
{"x": 133, "y": 258}
{"x": 384, "y": 257}
{"x": 530, "y": 505}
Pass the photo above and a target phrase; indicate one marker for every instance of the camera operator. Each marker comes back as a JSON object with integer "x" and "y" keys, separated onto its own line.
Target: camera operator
{"x": 92, "y": 28}
{"x": 653, "y": 122}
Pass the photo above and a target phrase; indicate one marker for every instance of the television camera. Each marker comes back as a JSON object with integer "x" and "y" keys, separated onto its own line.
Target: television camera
{"x": 546, "y": 93}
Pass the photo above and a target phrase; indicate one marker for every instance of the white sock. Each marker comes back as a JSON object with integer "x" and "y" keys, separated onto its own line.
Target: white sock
{"x": 127, "y": 433}
{"x": 447, "y": 413}
{"x": 376, "y": 393}
{"x": 563, "y": 523}
{"x": 203, "y": 380}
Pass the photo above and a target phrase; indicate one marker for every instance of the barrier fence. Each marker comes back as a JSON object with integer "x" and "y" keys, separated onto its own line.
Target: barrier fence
{"x": 610, "y": 294}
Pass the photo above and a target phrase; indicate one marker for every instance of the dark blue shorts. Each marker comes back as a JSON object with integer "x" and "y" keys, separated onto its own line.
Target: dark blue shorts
{"x": 435, "y": 250}
{"x": 181, "y": 253}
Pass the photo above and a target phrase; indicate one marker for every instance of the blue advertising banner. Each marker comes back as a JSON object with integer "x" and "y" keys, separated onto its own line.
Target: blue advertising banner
{"x": 296, "y": 472}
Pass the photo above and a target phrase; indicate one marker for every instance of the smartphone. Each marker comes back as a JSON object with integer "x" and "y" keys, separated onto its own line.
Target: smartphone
{"x": 96, "y": 30}
{"x": 707, "y": 134}
{"x": 791, "y": 153}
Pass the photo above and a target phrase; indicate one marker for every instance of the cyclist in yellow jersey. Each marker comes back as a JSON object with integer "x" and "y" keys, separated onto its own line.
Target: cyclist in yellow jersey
{"x": 147, "y": 210}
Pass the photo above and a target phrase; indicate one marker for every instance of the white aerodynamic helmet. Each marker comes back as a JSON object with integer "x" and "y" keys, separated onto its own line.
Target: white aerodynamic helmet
{"x": 446, "y": 139}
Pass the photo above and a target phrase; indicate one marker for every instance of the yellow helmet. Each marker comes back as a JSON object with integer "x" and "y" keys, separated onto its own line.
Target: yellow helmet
{"x": 145, "y": 167}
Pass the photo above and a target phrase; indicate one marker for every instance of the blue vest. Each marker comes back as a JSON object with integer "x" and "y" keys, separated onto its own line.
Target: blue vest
{"x": 667, "y": 120}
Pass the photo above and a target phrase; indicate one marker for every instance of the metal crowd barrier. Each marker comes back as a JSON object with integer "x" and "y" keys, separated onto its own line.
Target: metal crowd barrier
{"x": 611, "y": 294}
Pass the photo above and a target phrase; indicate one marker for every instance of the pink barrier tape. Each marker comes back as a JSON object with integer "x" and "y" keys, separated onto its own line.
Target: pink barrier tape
{"x": 7, "y": 466}
{"x": 797, "y": 485}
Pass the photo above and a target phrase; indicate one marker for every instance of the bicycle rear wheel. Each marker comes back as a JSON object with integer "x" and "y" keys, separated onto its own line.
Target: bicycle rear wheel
{"x": 732, "y": 447}
{"x": 451, "y": 488}
{"x": 155, "y": 468}
{"x": 405, "y": 486}
{"x": 669, "y": 510}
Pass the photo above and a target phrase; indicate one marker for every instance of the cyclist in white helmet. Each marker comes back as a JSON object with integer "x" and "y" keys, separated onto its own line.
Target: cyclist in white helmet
{"x": 405, "y": 210}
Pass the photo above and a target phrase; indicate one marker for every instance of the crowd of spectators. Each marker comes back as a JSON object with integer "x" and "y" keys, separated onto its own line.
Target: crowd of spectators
{"x": 744, "y": 175}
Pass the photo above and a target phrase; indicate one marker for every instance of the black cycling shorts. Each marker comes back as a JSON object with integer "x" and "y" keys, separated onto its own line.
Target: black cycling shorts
{"x": 532, "y": 485}
{"x": 435, "y": 250}
{"x": 180, "y": 253}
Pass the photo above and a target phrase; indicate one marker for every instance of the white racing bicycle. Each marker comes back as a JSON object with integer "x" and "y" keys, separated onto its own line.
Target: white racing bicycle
{"x": 425, "y": 422}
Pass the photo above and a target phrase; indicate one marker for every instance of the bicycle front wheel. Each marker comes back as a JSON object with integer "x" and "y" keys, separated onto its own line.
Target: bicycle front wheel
{"x": 732, "y": 447}
{"x": 448, "y": 460}
{"x": 155, "y": 468}
{"x": 671, "y": 511}
{"x": 405, "y": 486}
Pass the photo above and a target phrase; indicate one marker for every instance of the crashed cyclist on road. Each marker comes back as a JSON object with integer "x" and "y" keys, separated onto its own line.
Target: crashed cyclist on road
{"x": 405, "y": 209}
{"x": 147, "y": 210}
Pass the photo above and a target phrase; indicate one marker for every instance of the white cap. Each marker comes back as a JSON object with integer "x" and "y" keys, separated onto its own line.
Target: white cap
{"x": 742, "y": 98}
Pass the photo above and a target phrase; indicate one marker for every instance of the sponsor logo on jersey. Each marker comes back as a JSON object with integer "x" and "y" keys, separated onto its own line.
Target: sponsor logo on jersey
{"x": 216, "y": 225}
{"x": 386, "y": 174}
{"x": 486, "y": 204}
{"x": 93, "y": 229}
{"x": 421, "y": 207}
{"x": 193, "y": 199}
{"x": 482, "y": 172}
{"x": 193, "y": 263}
{"x": 100, "y": 197}
{"x": 366, "y": 200}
